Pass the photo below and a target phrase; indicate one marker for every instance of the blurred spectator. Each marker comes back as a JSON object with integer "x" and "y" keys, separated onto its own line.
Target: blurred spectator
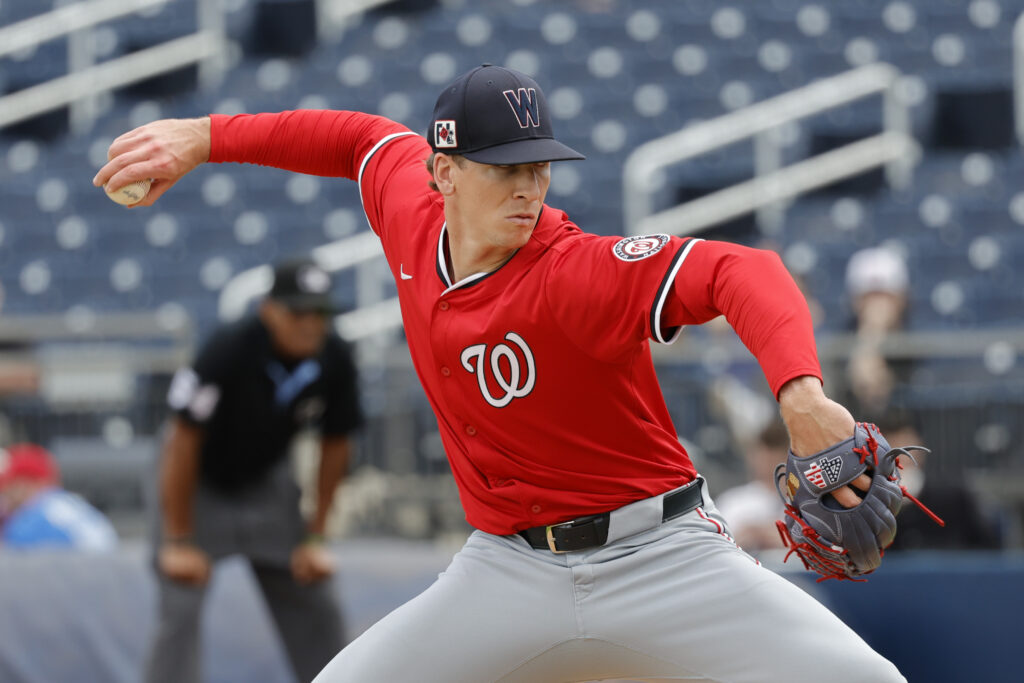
{"x": 967, "y": 528}
{"x": 752, "y": 508}
{"x": 19, "y": 372}
{"x": 226, "y": 482}
{"x": 36, "y": 513}
{"x": 19, "y": 375}
{"x": 877, "y": 284}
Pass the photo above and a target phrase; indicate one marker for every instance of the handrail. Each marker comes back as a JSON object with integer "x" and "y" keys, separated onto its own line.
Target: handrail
{"x": 759, "y": 121}
{"x": 348, "y": 252}
{"x": 115, "y": 73}
{"x": 130, "y": 325}
{"x": 45, "y": 27}
{"x": 1018, "y": 77}
{"x": 342, "y": 254}
{"x": 79, "y": 87}
{"x": 785, "y": 183}
{"x": 369, "y": 321}
{"x": 241, "y": 289}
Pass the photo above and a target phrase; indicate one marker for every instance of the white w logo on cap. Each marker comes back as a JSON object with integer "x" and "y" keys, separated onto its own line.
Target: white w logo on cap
{"x": 524, "y": 106}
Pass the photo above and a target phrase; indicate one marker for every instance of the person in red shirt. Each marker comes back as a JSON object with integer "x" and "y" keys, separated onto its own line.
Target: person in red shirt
{"x": 37, "y": 513}
{"x": 598, "y": 552}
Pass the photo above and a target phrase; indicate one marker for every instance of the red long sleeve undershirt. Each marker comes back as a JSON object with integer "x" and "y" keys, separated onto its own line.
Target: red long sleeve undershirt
{"x": 316, "y": 142}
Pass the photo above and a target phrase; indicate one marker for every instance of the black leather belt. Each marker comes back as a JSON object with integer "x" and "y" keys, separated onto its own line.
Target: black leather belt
{"x": 591, "y": 531}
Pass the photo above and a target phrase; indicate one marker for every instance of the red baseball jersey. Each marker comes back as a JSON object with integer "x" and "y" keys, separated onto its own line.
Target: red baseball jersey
{"x": 540, "y": 372}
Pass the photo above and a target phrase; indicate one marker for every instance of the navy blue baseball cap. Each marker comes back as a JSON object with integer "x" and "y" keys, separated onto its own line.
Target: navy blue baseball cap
{"x": 494, "y": 115}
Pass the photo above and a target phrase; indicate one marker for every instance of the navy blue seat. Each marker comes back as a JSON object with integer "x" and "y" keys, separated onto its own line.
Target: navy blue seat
{"x": 48, "y": 60}
{"x": 140, "y": 31}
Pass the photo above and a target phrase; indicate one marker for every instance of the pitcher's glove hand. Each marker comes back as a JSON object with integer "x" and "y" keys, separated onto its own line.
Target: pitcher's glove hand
{"x": 838, "y": 542}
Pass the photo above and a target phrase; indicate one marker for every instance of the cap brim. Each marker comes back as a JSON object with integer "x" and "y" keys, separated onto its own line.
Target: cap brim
{"x": 308, "y": 303}
{"x": 530, "y": 151}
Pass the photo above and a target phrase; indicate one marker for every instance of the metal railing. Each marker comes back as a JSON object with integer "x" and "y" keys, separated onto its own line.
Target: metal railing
{"x": 894, "y": 148}
{"x": 1018, "y": 78}
{"x": 27, "y": 34}
{"x": 158, "y": 343}
{"x": 372, "y": 317}
{"x": 85, "y": 79}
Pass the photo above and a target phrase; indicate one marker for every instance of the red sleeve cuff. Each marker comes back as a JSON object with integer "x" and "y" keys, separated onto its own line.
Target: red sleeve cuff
{"x": 217, "y": 122}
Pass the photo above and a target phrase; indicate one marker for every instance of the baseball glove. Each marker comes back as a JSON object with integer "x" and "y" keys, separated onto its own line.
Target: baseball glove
{"x": 838, "y": 542}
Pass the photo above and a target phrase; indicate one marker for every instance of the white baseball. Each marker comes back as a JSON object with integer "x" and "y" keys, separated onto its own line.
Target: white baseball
{"x": 132, "y": 193}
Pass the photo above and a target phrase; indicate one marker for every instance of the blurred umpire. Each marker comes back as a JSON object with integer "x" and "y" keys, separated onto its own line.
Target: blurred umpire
{"x": 226, "y": 483}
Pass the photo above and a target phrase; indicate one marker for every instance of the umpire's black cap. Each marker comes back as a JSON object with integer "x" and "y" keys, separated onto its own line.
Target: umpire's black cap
{"x": 302, "y": 285}
{"x": 495, "y": 115}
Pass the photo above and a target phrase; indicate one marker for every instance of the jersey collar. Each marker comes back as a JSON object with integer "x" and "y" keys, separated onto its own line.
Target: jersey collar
{"x": 539, "y": 240}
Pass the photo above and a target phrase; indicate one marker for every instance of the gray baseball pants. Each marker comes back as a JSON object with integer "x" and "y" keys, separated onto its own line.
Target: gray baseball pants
{"x": 659, "y": 602}
{"x": 263, "y": 524}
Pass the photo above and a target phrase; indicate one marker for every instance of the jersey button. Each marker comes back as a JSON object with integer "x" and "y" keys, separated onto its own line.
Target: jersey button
{"x": 471, "y": 430}
{"x": 444, "y": 305}
{"x": 446, "y": 371}
{"x": 536, "y": 509}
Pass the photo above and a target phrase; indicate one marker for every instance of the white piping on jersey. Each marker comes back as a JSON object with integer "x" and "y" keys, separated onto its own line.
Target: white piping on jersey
{"x": 442, "y": 265}
{"x": 366, "y": 160}
{"x": 663, "y": 294}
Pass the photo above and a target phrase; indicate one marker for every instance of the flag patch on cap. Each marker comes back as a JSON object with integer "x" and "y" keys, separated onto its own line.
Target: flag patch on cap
{"x": 444, "y": 134}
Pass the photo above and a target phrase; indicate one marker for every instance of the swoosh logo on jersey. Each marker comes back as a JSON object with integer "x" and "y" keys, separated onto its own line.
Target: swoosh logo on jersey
{"x": 401, "y": 271}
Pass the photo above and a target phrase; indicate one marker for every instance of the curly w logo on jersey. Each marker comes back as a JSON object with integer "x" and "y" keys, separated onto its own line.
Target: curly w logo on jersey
{"x": 824, "y": 472}
{"x": 506, "y": 371}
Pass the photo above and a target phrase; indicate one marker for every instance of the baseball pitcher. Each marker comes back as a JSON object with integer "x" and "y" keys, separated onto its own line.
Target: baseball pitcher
{"x": 598, "y": 552}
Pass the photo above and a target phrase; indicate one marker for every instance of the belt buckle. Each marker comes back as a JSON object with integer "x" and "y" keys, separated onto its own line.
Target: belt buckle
{"x": 551, "y": 538}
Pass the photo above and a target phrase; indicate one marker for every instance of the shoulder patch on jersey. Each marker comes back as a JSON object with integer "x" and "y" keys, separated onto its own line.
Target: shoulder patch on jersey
{"x": 639, "y": 246}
